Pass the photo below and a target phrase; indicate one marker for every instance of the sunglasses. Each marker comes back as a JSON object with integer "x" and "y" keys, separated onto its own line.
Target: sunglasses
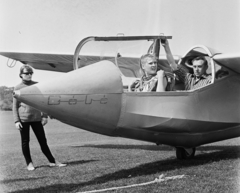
{"x": 28, "y": 73}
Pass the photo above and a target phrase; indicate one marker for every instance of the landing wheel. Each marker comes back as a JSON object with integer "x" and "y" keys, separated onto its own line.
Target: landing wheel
{"x": 183, "y": 153}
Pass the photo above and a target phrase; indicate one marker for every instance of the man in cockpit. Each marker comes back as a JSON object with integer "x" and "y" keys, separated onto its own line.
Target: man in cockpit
{"x": 191, "y": 81}
{"x": 152, "y": 80}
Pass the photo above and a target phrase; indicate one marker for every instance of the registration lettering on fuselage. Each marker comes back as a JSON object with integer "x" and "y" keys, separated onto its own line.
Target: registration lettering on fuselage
{"x": 76, "y": 99}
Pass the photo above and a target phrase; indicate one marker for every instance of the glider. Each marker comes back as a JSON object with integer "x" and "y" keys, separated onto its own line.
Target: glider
{"x": 92, "y": 94}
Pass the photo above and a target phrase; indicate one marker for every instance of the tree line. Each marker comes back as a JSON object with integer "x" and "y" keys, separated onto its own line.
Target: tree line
{"x": 6, "y": 98}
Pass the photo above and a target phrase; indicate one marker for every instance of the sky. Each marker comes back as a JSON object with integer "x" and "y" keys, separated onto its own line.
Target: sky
{"x": 57, "y": 26}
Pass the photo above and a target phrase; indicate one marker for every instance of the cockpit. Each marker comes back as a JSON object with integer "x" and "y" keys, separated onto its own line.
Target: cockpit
{"x": 125, "y": 52}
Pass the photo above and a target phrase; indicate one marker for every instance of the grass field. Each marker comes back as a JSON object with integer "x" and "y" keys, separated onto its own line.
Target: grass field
{"x": 98, "y": 162}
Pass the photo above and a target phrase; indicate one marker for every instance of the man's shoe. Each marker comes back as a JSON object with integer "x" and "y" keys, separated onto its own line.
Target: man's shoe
{"x": 30, "y": 167}
{"x": 57, "y": 164}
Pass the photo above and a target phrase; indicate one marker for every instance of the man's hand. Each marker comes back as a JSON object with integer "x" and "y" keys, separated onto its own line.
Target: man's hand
{"x": 44, "y": 121}
{"x": 160, "y": 74}
{"x": 165, "y": 43}
{"x": 162, "y": 82}
{"x": 18, "y": 125}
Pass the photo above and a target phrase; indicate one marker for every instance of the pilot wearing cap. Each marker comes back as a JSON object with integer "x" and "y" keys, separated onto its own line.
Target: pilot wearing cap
{"x": 198, "y": 79}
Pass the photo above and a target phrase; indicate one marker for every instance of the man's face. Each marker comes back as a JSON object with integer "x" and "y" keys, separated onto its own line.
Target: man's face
{"x": 26, "y": 75}
{"x": 150, "y": 66}
{"x": 199, "y": 68}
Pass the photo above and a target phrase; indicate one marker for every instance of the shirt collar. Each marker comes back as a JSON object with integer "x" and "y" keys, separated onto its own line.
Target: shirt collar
{"x": 145, "y": 78}
{"x": 204, "y": 76}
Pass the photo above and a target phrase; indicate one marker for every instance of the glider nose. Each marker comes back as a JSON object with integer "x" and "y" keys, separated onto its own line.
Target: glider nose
{"x": 31, "y": 95}
{"x": 89, "y": 98}
{"x": 16, "y": 94}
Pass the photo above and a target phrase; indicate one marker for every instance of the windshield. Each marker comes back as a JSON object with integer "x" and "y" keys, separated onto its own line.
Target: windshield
{"x": 124, "y": 53}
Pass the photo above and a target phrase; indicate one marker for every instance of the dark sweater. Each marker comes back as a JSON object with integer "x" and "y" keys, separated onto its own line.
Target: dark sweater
{"x": 23, "y": 112}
